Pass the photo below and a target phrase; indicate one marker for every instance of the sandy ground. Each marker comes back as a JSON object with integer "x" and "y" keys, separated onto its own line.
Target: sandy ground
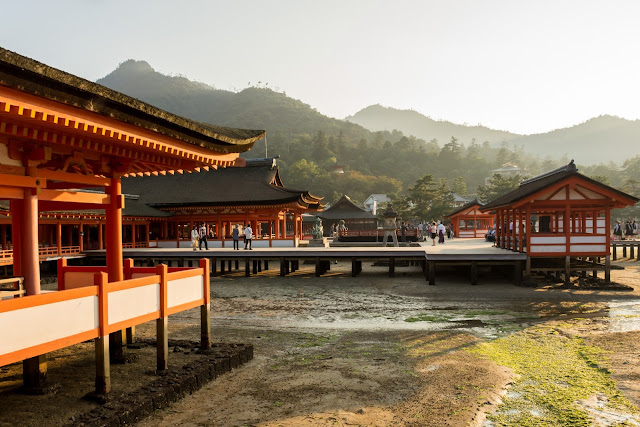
{"x": 340, "y": 351}
{"x": 374, "y": 350}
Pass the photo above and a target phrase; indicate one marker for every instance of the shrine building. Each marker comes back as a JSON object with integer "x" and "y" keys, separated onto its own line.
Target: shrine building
{"x": 60, "y": 134}
{"x": 253, "y": 194}
{"x": 469, "y": 221}
{"x": 559, "y": 214}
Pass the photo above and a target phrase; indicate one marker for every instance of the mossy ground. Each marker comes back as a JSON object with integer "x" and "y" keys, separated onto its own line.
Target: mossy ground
{"x": 556, "y": 371}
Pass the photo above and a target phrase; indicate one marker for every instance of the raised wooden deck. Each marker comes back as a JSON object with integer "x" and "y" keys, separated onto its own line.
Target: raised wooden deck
{"x": 463, "y": 252}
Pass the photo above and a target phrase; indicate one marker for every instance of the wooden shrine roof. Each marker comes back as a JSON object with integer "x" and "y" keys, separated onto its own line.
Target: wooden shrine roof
{"x": 539, "y": 183}
{"x": 258, "y": 183}
{"x": 466, "y": 206}
{"x": 30, "y": 76}
{"x": 346, "y": 209}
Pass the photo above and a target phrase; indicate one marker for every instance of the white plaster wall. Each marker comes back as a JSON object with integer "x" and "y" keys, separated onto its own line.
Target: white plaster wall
{"x": 547, "y": 240}
{"x": 588, "y": 239}
{"x": 588, "y": 248}
{"x": 130, "y": 303}
{"x": 547, "y": 248}
{"x": 32, "y": 326}
{"x": 182, "y": 291}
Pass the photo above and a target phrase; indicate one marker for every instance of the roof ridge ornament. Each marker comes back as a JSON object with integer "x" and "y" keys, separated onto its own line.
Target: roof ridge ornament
{"x": 570, "y": 167}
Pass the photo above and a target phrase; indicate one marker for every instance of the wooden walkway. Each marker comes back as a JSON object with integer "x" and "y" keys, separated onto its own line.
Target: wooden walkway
{"x": 467, "y": 253}
{"x": 632, "y": 245}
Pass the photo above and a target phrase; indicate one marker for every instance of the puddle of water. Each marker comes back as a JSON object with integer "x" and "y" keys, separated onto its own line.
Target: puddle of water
{"x": 624, "y": 316}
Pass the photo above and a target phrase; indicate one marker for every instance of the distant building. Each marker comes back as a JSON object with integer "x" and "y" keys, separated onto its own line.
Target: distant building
{"x": 459, "y": 201}
{"x": 338, "y": 169}
{"x": 375, "y": 202}
{"x": 354, "y": 216}
{"x": 508, "y": 170}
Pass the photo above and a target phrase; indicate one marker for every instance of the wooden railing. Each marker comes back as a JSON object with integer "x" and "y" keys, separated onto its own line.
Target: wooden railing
{"x": 99, "y": 308}
{"x": 11, "y": 287}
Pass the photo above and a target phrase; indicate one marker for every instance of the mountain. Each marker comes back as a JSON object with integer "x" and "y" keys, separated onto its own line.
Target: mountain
{"x": 598, "y": 140}
{"x": 253, "y": 108}
{"x": 377, "y": 118}
{"x": 602, "y": 139}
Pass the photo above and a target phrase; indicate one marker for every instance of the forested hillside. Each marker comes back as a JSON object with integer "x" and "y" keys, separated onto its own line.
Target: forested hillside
{"x": 313, "y": 147}
{"x": 377, "y": 118}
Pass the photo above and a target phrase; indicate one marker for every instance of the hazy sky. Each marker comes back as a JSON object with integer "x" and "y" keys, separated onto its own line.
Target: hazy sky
{"x": 523, "y": 66}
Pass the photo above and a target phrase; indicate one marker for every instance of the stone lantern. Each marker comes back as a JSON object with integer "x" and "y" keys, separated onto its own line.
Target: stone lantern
{"x": 390, "y": 225}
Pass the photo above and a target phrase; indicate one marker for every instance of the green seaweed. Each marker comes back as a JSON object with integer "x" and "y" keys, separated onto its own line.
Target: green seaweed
{"x": 555, "y": 372}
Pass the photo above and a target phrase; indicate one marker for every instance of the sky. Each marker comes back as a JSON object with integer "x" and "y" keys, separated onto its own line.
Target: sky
{"x": 522, "y": 66}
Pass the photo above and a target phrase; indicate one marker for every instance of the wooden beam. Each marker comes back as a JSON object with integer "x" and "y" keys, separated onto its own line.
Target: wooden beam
{"x": 74, "y": 197}
{"x": 21, "y": 181}
{"x": 95, "y": 181}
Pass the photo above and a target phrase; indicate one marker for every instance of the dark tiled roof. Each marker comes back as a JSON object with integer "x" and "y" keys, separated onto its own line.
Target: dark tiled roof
{"x": 27, "y": 75}
{"x": 258, "y": 183}
{"x": 540, "y": 182}
{"x": 346, "y": 209}
{"x": 133, "y": 207}
{"x": 465, "y": 207}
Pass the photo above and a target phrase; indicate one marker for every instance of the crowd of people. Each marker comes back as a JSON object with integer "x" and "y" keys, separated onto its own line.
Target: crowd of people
{"x": 200, "y": 233}
{"x": 436, "y": 230}
{"x": 628, "y": 231}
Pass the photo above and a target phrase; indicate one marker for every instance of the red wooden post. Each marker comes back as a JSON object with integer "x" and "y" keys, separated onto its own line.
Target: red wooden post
{"x": 62, "y": 265}
{"x": 162, "y": 325}
{"x": 205, "y": 319}
{"x": 59, "y": 238}
{"x": 103, "y": 369}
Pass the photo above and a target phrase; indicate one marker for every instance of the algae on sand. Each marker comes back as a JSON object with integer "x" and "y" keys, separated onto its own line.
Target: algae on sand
{"x": 555, "y": 373}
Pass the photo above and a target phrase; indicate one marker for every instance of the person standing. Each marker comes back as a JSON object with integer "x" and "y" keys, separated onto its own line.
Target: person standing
{"x": 434, "y": 233}
{"x": 617, "y": 231}
{"x": 235, "y": 234}
{"x": 248, "y": 232}
{"x": 441, "y": 231}
{"x": 203, "y": 237}
{"x": 634, "y": 226}
{"x": 403, "y": 231}
{"x": 420, "y": 231}
{"x": 195, "y": 237}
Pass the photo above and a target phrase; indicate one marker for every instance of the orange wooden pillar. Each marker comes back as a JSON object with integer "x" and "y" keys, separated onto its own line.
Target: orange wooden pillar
{"x": 133, "y": 234}
{"x": 146, "y": 233}
{"x": 81, "y": 236}
{"x": 114, "y": 256}
{"x": 100, "y": 237}
{"x": 277, "y": 223}
{"x": 34, "y": 369}
{"x": 59, "y": 237}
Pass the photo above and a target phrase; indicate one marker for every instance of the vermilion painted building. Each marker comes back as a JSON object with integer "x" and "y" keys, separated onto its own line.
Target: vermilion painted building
{"x": 58, "y": 134}
{"x": 469, "y": 221}
{"x": 561, "y": 213}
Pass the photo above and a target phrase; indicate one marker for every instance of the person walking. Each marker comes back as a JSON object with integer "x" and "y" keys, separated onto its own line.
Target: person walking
{"x": 441, "y": 231}
{"x": 203, "y": 237}
{"x": 195, "y": 237}
{"x": 235, "y": 234}
{"x": 617, "y": 231}
{"x": 628, "y": 230}
{"x": 248, "y": 232}
{"x": 434, "y": 232}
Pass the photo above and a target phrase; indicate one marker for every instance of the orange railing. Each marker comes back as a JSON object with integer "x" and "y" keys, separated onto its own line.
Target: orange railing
{"x": 99, "y": 308}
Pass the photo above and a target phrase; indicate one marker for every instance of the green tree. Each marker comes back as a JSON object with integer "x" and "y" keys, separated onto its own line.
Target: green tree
{"x": 459, "y": 186}
{"x": 498, "y": 185}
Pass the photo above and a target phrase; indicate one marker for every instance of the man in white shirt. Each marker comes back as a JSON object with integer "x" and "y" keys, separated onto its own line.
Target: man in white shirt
{"x": 441, "y": 231}
{"x": 248, "y": 232}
